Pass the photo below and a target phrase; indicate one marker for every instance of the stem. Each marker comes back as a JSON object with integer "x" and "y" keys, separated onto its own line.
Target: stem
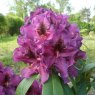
{"x": 74, "y": 85}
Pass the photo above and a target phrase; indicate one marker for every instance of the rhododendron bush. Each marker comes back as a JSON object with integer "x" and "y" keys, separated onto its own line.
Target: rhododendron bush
{"x": 50, "y": 46}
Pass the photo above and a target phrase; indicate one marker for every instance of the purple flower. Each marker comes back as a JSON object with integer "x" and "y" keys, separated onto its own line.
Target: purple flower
{"x": 1, "y": 91}
{"x": 47, "y": 42}
{"x": 8, "y": 81}
{"x": 30, "y": 70}
{"x": 72, "y": 71}
{"x": 24, "y": 54}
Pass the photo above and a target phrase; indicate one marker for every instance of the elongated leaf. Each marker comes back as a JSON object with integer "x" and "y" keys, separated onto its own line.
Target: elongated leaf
{"x": 25, "y": 85}
{"x": 74, "y": 84}
{"x": 88, "y": 67}
{"x": 82, "y": 89}
{"x": 67, "y": 90}
{"x": 53, "y": 86}
{"x": 93, "y": 84}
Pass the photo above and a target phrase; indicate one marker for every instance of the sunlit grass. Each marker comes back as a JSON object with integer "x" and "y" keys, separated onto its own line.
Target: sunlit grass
{"x": 89, "y": 47}
{"x": 7, "y": 46}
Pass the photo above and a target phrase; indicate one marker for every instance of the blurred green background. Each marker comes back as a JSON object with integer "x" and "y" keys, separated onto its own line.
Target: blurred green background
{"x": 11, "y": 22}
{"x": 81, "y": 12}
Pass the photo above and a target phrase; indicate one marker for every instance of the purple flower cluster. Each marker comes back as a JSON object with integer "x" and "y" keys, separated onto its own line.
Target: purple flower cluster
{"x": 8, "y": 81}
{"x": 47, "y": 42}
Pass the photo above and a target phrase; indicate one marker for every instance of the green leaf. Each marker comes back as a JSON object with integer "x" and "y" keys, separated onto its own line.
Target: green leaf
{"x": 53, "y": 86}
{"x": 25, "y": 84}
{"x": 89, "y": 67}
{"x": 74, "y": 84}
{"x": 93, "y": 84}
{"x": 82, "y": 89}
{"x": 67, "y": 90}
{"x": 80, "y": 64}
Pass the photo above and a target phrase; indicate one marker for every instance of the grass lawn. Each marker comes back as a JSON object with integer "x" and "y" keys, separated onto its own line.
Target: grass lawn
{"x": 89, "y": 47}
{"x": 8, "y": 44}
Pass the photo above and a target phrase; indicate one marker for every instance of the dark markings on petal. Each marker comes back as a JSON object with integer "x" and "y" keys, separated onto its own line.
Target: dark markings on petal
{"x": 59, "y": 46}
{"x": 6, "y": 80}
{"x": 42, "y": 29}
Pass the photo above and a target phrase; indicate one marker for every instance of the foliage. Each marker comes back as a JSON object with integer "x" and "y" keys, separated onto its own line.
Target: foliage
{"x": 93, "y": 19}
{"x": 53, "y": 86}
{"x": 62, "y": 5}
{"x": 69, "y": 9}
{"x": 14, "y": 23}
{"x": 84, "y": 31}
{"x": 92, "y": 26}
{"x": 10, "y": 24}
{"x": 85, "y": 14}
{"x": 49, "y": 5}
{"x": 76, "y": 18}
{"x": 2, "y": 24}
{"x": 25, "y": 85}
{"x": 22, "y": 7}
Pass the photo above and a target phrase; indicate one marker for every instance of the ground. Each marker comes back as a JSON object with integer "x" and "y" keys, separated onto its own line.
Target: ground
{"x": 89, "y": 47}
{"x": 7, "y": 46}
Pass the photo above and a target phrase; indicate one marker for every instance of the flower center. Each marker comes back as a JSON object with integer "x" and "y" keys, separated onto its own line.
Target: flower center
{"x": 6, "y": 80}
{"x": 42, "y": 29}
{"x": 59, "y": 46}
{"x": 31, "y": 54}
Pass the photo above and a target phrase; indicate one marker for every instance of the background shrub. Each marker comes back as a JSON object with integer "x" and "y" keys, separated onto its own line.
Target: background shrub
{"x": 84, "y": 31}
{"x": 14, "y": 23}
{"x": 3, "y": 24}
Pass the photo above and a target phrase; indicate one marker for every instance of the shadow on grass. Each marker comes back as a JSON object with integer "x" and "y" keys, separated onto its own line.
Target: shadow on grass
{"x": 7, "y": 38}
